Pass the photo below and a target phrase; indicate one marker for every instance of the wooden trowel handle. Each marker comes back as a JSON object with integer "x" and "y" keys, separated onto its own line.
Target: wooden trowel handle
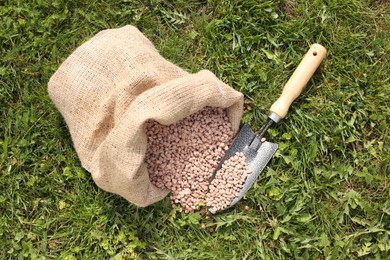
{"x": 298, "y": 80}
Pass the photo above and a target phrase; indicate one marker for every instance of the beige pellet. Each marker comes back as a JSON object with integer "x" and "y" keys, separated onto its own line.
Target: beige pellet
{"x": 228, "y": 180}
{"x": 182, "y": 157}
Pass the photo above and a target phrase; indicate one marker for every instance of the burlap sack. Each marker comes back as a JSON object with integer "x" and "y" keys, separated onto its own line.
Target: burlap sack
{"x": 109, "y": 86}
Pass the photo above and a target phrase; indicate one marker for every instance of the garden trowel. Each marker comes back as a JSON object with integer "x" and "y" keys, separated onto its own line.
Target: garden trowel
{"x": 257, "y": 151}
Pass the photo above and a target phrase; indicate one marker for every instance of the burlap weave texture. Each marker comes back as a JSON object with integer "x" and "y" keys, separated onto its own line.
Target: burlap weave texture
{"x": 106, "y": 90}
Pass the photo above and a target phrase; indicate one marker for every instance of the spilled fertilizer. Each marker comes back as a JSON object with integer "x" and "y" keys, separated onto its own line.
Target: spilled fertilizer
{"x": 227, "y": 183}
{"x": 183, "y": 156}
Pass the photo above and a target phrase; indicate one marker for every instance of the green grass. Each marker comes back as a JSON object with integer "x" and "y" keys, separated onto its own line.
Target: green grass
{"x": 326, "y": 193}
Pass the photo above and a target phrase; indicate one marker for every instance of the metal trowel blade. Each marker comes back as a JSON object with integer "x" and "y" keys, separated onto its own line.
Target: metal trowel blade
{"x": 257, "y": 159}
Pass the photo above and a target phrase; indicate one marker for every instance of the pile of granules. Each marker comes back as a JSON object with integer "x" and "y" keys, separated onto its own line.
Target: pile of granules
{"x": 183, "y": 156}
{"x": 227, "y": 182}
